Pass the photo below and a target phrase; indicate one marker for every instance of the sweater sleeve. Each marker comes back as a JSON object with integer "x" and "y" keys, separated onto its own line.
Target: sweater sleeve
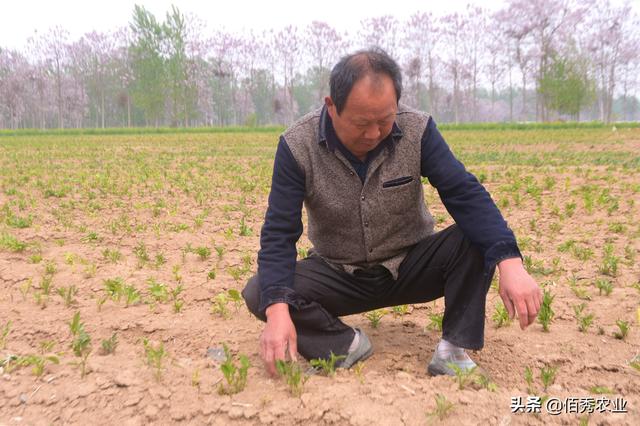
{"x": 281, "y": 230}
{"x": 466, "y": 200}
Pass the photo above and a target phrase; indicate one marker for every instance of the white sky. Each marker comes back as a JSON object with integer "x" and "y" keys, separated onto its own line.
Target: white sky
{"x": 20, "y": 19}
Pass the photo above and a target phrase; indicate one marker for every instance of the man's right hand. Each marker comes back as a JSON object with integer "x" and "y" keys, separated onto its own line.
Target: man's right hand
{"x": 278, "y": 335}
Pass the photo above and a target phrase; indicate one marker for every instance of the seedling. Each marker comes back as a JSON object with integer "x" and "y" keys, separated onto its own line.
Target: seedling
{"x": 623, "y": 327}
{"x": 400, "y": 310}
{"x": 435, "y": 321}
{"x": 501, "y": 316}
{"x": 303, "y": 252}
{"x": 548, "y": 376}
{"x": 81, "y": 344}
{"x": 113, "y": 256}
{"x": 219, "y": 251}
{"x": 211, "y": 275}
{"x": 50, "y": 268}
{"x": 131, "y": 294}
{"x": 235, "y": 297}
{"x": 177, "y": 302}
{"x": 114, "y": 288}
{"x": 601, "y": 390}
{"x": 109, "y": 345}
{"x": 219, "y": 305}
{"x": 546, "y": 314}
{"x": 528, "y": 378}
{"x": 485, "y": 382}
{"x": 463, "y": 376}
{"x": 141, "y": 253}
{"x": 68, "y": 295}
{"x": 160, "y": 260}
{"x": 358, "y": 370}
{"x": 293, "y": 375}
{"x": 635, "y": 362}
{"x": 375, "y": 316}
{"x": 37, "y": 362}
{"x": 25, "y": 287}
{"x": 604, "y": 285}
{"x": 4, "y": 333}
{"x": 155, "y": 356}
{"x": 609, "y": 262}
{"x": 203, "y": 252}
{"x": 235, "y": 376}
{"x": 157, "y": 290}
{"x": 195, "y": 378}
{"x": 46, "y": 284}
{"x": 443, "y": 407}
{"x": 245, "y": 231}
{"x": 584, "y": 320}
{"x": 327, "y": 366}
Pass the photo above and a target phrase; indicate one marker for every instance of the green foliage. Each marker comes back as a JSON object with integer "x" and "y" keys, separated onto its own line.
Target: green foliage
{"x": 400, "y": 310}
{"x": 11, "y": 243}
{"x": 375, "y": 316}
{"x": 327, "y": 366}
{"x": 463, "y": 376}
{"x": 68, "y": 295}
{"x": 81, "y": 344}
{"x": 548, "y": 376}
{"x": 293, "y": 375}
{"x": 546, "y": 314}
{"x": 435, "y": 321}
{"x": 584, "y": 320}
{"x": 155, "y": 356}
{"x": 37, "y": 362}
{"x": 501, "y": 316}
{"x": 109, "y": 345}
{"x": 4, "y": 333}
{"x": 565, "y": 85}
{"x": 623, "y": 329}
{"x": 443, "y": 408}
{"x": 235, "y": 375}
{"x": 604, "y": 286}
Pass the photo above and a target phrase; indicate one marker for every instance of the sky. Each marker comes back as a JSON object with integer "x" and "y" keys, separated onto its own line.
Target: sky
{"x": 21, "y": 19}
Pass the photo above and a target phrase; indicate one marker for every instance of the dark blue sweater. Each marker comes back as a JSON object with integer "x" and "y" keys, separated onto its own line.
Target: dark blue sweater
{"x": 463, "y": 196}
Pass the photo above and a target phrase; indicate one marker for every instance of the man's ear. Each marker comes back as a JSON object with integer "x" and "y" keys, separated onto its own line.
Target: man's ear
{"x": 331, "y": 107}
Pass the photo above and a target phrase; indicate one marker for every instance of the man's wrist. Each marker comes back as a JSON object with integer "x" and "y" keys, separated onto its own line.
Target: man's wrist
{"x": 510, "y": 262}
{"x": 276, "y": 309}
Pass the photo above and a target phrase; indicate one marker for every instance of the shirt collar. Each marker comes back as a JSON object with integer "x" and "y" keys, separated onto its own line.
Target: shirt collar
{"x": 327, "y": 134}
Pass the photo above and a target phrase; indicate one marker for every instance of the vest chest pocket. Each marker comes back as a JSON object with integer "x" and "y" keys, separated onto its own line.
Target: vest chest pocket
{"x": 398, "y": 194}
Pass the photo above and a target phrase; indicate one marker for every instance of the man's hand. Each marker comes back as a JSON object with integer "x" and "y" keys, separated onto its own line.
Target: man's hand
{"x": 278, "y": 335}
{"x": 519, "y": 291}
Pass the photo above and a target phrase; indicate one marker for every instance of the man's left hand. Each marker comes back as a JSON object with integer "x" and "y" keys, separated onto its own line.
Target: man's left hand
{"x": 519, "y": 291}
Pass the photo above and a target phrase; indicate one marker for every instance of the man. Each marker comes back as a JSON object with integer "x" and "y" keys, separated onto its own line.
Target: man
{"x": 356, "y": 165}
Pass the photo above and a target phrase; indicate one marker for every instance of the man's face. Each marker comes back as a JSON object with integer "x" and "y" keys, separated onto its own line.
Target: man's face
{"x": 368, "y": 115}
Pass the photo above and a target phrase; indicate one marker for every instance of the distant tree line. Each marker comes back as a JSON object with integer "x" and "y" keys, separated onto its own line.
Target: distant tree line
{"x": 534, "y": 60}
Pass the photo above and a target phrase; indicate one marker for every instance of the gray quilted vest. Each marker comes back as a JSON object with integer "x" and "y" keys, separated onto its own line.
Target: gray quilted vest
{"x": 355, "y": 225}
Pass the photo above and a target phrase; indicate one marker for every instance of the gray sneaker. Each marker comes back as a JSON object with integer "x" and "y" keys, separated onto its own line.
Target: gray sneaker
{"x": 438, "y": 365}
{"x": 360, "y": 353}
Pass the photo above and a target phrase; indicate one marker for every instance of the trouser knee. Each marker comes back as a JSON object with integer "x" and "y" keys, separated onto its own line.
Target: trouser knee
{"x": 251, "y": 295}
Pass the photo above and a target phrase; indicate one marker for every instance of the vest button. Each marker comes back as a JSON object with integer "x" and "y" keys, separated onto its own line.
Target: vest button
{"x": 370, "y": 250}
{"x": 366, "y": 224}
{"x": 351, "y": 173}
{"x": 362, "y": 198}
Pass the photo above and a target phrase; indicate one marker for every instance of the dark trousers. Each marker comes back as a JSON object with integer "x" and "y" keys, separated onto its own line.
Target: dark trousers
{"x": 443, "y": 264}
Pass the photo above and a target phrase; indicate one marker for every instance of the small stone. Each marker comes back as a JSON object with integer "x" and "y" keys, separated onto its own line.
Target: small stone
{"x": 23, "y": 398}
{"x": 236, "y": 412}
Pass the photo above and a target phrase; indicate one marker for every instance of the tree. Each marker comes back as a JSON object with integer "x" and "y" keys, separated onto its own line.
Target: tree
{"x": 148, "y": 65}
{"x": 565, "y": 86}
